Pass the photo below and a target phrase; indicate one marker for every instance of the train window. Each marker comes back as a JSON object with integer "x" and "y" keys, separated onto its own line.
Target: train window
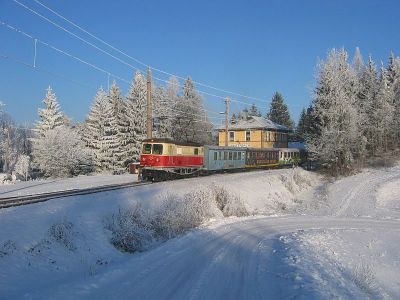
{"x": 230, "y": 156}
{"x": 239, "y": 155}
{"x": 235, "y": 155}
{"x": 220, "y": 155}
{"x": 225, "y": 155}
{"x": 215, "y": 155}
{"x": 247, "y": 136}
{"x": 179, "y": 150}
{"x": 157, "y": 149}
{"x": 147, "y": 149}
{"x": 196, "y": 151}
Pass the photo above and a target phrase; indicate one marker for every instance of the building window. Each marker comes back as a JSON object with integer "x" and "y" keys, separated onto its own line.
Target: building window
{"x": 247, "y": 136}
{"x": 231, "y": 136}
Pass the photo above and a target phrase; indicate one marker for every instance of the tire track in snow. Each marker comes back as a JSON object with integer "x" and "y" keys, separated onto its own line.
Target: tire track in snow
{"x": 362, "y": 193}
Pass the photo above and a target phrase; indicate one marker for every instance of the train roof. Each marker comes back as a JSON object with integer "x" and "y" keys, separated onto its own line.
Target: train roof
{"x": 170, "y": 141}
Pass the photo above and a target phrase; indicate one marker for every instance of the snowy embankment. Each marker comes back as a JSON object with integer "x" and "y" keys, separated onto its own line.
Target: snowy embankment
{"x": 48, "y": 243}
{"x": 62, "y": 248}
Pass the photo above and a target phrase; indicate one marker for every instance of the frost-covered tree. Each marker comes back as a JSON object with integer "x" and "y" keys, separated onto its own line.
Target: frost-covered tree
{"x": 381, "y": 116}
{"x": 164, "y": 102}
{"x": 393, "y": 81}
{"x": 191, "y": 122}
{"x": 50, "y": 116}
{"x": 14, "y": 141}
{"x": 94, "y": 131}
{"x": 136, "y": 115}
{"x": 358, "y": 63}
{"x": 120, "y": 120}
{"x": 62, "y": 153}
{"x": 337, "y": 141}
{"x": 23, "y": 165}
{"x": 279, "y": 112}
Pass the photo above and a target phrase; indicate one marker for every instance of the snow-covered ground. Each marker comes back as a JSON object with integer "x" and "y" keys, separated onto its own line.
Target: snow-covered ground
{"x": 21, "y": 188}
{"x": 307, "y": 239}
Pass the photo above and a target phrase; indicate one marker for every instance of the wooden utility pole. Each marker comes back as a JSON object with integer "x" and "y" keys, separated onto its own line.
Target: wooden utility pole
{"x": 149, "y": 108}
{"x": 226, "y": 120}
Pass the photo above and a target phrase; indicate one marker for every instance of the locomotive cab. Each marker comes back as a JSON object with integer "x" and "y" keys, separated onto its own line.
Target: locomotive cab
{"x": 163, "y": 159}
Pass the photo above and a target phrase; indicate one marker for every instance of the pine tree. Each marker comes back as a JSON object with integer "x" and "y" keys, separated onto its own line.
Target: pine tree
{"x": 358, "y": 62}
{"x": 50, "y": 116}
{"x": 119, "y": 108}
{"x": 136, "y": 115}
{"x": 191, "y": 123}
{"x": 366, "y": 101}
{"x": 301, "y": 126}
{"x": 381, "y": 117}
{"x": 94, "y": 131}
{"x": 393, "y": 74}
{"x": 337, "y": 140}
{"x": 254, "y": 112}
{"x": 279, "y": 112}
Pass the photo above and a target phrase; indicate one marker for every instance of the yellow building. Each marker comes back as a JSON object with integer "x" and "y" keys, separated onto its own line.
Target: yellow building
{"x": 255, "y": 132}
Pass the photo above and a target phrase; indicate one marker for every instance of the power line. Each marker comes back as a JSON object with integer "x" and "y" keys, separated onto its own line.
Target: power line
{"x": 103, "y": 51}
{"x": 135, "y": 59}
{"x": 75, "y": 57}
{"x": 62, "y": 51}
{"x": 43, "y": 70}
{"x": 76, "y": 36}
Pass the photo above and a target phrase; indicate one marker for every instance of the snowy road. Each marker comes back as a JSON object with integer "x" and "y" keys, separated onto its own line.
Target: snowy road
{"x": 236, "y": 260}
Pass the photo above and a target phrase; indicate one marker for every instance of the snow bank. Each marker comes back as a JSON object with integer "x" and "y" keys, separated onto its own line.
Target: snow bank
{"x": 363, "y": 263}
{"x": 388, "y": 195}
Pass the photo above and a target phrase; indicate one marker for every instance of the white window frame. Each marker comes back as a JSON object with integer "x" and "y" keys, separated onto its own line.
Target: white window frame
{"x": 248, "y": 131}
{"x": 229, "y": 137}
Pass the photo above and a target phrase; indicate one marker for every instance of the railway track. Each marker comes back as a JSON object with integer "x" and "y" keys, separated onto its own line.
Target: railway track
{"x": 29, "y": 199}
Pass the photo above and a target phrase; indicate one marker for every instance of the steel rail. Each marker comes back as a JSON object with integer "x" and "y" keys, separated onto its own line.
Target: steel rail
{"x": 36, "y": 198}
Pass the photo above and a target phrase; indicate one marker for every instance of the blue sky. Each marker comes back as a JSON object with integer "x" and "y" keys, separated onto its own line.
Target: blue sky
{"x": 249, "y": 47}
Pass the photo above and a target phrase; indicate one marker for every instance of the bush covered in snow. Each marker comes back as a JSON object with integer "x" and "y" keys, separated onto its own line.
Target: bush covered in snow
{"x": 177, "y": 215}
{"x": 364, "y": 277}
{"x": 131, "y": 230}
{"x": 229, "y": 204}
{"x": 63, "y": 234}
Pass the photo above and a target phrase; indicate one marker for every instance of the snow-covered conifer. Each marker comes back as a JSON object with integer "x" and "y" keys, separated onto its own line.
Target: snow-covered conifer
{"x": 191, "y": 122}
{"x": 337, "y": 141}
{"x": 94, "y": 132}
{"x": 279, "y": 112}
{"x": 136, "y": 115}
{"x": 50, "y": 116}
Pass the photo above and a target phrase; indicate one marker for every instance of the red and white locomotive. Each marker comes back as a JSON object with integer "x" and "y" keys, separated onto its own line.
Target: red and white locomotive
{"x": 163, "y": 159}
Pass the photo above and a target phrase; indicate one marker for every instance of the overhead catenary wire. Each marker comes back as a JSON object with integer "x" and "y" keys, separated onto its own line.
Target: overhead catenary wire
{"x": 120, "y": 60}
{"x": 43, "y": 70}
{"x": 108, "y": 73}
{"x": 139, "y": 61}
{"x": 62, "y": 52}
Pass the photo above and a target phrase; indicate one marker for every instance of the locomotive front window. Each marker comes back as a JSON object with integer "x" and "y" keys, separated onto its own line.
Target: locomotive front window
{"x": 147, "y": 149}
{"x": 157, "y": 149}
